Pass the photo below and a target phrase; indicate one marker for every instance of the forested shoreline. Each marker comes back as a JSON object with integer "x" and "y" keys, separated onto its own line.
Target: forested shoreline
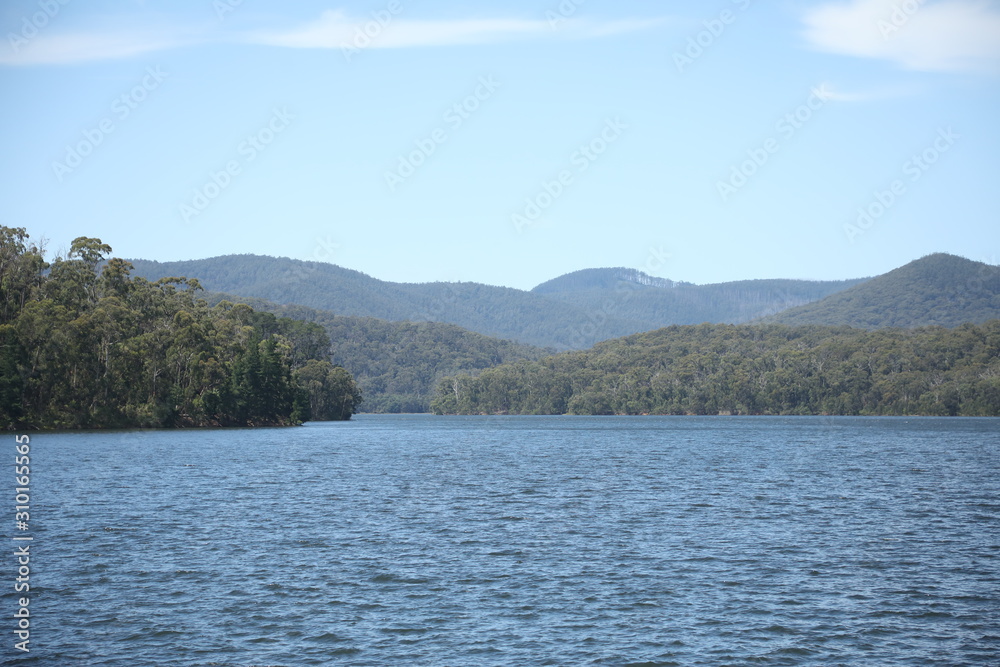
{"x": 750, "y": 370}
{"x": 398, "y": 365}
{"x": 83, "y": 344}
{"x": 86, "y": 344}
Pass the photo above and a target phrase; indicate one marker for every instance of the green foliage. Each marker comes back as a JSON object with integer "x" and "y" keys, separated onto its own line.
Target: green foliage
{"x": 21, "y": 271}
{"x": 579, "y": 309}
{"x": 572, "y": 312}
{"x": 643, "y": 303}
{"x": 750, "y": 370}
{"x": 399, "y": 364}
{"x": 85, "y": 345}
{"x": 938, "y": 289}
{"x": 331, "y": 392}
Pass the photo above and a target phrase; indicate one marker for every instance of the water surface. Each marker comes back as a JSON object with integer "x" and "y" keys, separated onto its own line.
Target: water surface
{"x": 419, "y": 540}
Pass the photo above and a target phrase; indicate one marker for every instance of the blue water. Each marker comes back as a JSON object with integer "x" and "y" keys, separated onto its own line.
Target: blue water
{"x": 419, "y": 540}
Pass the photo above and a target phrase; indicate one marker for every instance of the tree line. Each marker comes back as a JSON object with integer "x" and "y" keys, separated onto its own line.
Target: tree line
{"x": 398, "y": 365}
{"x": 750, "y": 370}
{"x": 84, "y": 344}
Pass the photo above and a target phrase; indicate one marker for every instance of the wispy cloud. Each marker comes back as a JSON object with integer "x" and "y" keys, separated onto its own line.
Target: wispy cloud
{"x": 949, "y": 35}
{"x": 70, "y": 48}
{"x": 829, "y": 92}
{"x": 332, "y": 30}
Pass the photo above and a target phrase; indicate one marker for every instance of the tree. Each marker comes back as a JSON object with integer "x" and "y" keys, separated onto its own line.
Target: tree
{"x": 332, "y": 393}
{"x": 21, "y": 269}
{"x": 90, "y": 347}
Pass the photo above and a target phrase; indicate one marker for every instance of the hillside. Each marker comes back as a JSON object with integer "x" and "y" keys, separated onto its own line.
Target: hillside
{"x": 636, "y": 297}
{"x": 750, "y": 370}
{"x": 591, "y": 279}
{"x": 499, "y": 312}
{"x": 939, "y": 289}
{"x": 398, "y": 365}
{"x": 571, "y": 312}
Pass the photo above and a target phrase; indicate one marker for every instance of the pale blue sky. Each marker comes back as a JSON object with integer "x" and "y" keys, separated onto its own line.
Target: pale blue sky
{"x": 537, "y": 138}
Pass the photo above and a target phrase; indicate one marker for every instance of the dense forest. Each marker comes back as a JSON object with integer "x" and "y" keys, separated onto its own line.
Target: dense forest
{"x": 571, "y": 312}
{"x": 86, "y": 343}
{"x": 398, "y": 365}
{"x": 576, "y": 310}
{"x": 938, "y": 289}
{"x": 83, "y": 344}
{"x": 499, "y": 312}
{"x": 750, "y": 370}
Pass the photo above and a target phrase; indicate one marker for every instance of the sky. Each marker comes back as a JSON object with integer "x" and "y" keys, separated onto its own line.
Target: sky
{"x": 508, "y": 143}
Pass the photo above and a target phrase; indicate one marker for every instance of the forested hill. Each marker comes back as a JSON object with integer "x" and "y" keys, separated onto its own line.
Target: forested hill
{"x": 939, "y": 289}
{"x": 398, "y": 365}
{"x": 637, "y": 297}
{"x": 750, "y": 370}
{"x": 572, "y": 312}
{"x": 597, "y": 279}
{"x": 499, "y": 312}
{"x": 83, "y": 344}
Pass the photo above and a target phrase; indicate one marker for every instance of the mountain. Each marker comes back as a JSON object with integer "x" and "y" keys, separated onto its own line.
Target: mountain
{"x": 500, "y": 312}
{"x": 571, "y": 312}
{"x": 399, "y": 340}
{"x": 633, "y": 296}
{"x": 938, "y": 289}
{"x": 591, "y": 279}
{"x": 398, "y": 365}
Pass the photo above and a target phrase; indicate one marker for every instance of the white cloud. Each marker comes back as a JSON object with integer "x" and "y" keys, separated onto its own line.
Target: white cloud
{"x": 827, "y": 92}
{"x": 62, "y": 49}
{"x": 334, "y": 29}
{"x": 948, "y": 35}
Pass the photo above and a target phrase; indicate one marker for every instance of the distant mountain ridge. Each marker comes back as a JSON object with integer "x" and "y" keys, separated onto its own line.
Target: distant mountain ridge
{"x": 570, "y": 312}
{"x": 938, "y": 289}
{"x": 635, "y": 297}
{"x": 587, "y": 279}
{"x": 500, "y": 312}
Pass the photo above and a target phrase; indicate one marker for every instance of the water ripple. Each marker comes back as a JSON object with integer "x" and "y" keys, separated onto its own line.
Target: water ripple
{"x": 516, "y": 541}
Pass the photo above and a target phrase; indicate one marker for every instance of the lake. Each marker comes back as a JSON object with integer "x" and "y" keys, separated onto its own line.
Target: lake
{"x": 421, "y": 540}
